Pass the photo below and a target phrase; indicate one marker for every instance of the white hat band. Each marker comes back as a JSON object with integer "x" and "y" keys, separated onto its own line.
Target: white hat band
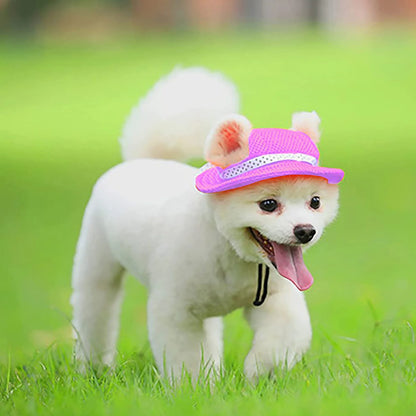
{"x": 263, "y": 160}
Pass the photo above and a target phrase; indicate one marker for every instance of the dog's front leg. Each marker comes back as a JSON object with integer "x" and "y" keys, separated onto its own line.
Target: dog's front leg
{"x": 282, "y": 332}
{"x": 181, "y": 343}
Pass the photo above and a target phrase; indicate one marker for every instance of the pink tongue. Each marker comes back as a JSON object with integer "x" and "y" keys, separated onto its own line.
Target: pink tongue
{"x": 289, "y": 263}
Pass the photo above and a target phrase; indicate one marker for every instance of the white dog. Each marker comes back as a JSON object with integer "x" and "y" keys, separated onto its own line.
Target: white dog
{"x": 198, "y": 253}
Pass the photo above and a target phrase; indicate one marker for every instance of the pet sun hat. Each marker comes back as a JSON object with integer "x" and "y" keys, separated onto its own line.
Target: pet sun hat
{"x": 272, "y": 153}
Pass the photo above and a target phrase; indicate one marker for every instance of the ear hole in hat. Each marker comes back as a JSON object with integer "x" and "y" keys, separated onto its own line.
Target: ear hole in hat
{"x": 228, "y": 141}
{"x": 308, "y": 123}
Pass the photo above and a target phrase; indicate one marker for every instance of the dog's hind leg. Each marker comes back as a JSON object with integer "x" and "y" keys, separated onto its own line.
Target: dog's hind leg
{"x": 97, "y": 295}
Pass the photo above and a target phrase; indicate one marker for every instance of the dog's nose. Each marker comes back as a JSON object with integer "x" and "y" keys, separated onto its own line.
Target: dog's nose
{"x": 304, "y": 232}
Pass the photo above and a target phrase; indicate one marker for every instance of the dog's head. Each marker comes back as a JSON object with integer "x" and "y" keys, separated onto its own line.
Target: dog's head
{"x": 273, "y": 220}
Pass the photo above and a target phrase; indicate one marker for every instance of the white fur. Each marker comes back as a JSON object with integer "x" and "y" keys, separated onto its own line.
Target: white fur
{"x": 307, "y": 122}
{"x": 155, "y": 127}
{"x": 196, "y": 257}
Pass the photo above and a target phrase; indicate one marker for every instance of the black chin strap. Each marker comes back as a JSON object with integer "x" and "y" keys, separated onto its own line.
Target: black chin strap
{"x": 260, "y": 298}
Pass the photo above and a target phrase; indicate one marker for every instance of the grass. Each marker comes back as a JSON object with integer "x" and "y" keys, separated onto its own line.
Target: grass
{"x": 61, "y": 109}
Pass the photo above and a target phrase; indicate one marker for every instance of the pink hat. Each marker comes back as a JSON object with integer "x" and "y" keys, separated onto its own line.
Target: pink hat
{"x": 272, "y": 153}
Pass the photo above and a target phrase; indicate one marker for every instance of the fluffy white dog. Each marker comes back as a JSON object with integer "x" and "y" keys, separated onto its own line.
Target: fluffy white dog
{"x": 198, "y": 253}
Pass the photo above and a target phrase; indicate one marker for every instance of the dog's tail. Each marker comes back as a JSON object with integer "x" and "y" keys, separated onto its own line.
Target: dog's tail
{"x": 173, "y": 120}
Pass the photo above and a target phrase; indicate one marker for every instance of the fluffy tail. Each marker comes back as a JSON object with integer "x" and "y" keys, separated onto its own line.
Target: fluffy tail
{"x": 173, "y": 120}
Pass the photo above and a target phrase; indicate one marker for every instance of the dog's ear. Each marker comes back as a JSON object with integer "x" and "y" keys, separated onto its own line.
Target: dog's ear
{"x": 307, "y": 123}
{"x": 228, "y": 141}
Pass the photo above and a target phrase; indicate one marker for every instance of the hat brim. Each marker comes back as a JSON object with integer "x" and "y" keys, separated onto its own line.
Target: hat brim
{"x": 210, "y": 180}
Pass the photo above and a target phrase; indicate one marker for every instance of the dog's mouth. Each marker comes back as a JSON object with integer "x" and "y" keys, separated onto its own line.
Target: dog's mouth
{"x": 287, "y": 259}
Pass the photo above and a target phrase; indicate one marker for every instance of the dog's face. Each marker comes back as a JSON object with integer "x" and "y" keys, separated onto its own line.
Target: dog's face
{"x": 264, "y": 220}
{"x": 272, "y": 221}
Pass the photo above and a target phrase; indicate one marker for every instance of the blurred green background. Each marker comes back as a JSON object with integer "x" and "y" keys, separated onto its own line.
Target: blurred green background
{"x": 64, "y": 98}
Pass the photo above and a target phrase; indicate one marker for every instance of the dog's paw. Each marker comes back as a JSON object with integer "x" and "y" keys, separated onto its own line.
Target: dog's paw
{"x": 262, "y": 361}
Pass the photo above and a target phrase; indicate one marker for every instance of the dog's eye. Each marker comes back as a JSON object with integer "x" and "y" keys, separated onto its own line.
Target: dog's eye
{"x": 315, "y": 202}
{"x": 268, "y": 205}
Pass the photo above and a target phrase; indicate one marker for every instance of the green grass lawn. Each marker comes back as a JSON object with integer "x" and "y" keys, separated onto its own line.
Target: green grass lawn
{"x": 62, "y": 106}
